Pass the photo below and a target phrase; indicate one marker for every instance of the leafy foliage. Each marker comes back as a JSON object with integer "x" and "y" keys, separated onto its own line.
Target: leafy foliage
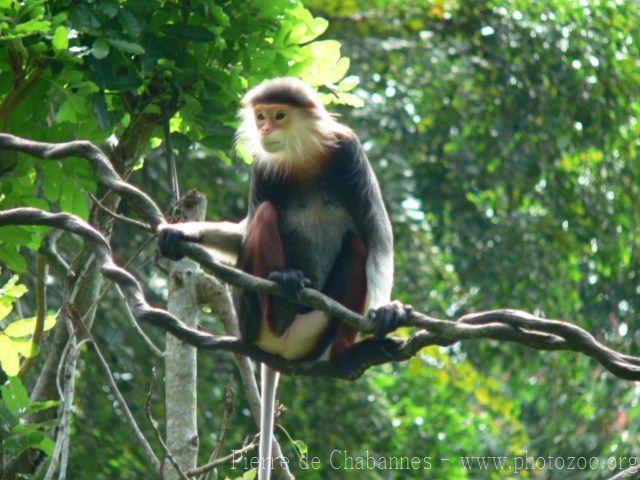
{"x": 17, "y": 434}
{"x": 122, "y": 70}
{"x": 15, "y": 339}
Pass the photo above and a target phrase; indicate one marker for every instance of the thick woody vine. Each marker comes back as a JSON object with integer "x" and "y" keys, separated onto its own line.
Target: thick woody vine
{"x": 506, "y": 325}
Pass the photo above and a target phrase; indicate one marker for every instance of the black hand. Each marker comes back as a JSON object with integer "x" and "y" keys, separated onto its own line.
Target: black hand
{"x": 388, "y": 318}
{"x": 168, "y": 239}
{"x": 291, "y": 280}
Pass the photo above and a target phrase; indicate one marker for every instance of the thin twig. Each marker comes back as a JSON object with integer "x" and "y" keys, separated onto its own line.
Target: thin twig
{"x": 123, "y": 218}
{"x": 49, "y": 250}
{"x": 41, "y": 312}
{"x": 154, "y": 425}
{"x": 234, "y": 457}
{"x": 60, "y": 451}
{"x": 134, "y": 323}
{"x": 229, "y": 406}
{"x": 84, "y": 331}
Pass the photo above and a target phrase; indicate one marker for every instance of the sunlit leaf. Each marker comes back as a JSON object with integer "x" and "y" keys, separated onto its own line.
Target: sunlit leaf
{"x": 60, "y": 38}
{"x": 26, "y": 326}
{"x": 9, "y": 359}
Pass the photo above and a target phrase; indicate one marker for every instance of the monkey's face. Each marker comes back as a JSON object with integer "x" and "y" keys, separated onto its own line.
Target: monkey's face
{"x": 273, "y": 122}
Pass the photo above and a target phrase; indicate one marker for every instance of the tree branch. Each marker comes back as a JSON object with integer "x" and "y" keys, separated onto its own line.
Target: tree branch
{"x": 511, "y": 325}
{"x": 137, "y": 199}
{"x": 84, "y": 332}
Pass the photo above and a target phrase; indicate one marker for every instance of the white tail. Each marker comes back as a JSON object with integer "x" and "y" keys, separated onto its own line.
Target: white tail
{"x": 268, "y": 386}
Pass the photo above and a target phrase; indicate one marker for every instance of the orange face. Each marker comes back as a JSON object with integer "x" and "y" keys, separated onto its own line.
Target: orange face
{"x": 272, "y": 121}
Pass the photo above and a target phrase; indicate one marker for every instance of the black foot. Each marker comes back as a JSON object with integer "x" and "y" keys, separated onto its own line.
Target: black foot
{"x": 168, "y": 239}
{"x": 291, "y": 280}
{"x": 354, "y": 358}
{"x": 388, "y": 318}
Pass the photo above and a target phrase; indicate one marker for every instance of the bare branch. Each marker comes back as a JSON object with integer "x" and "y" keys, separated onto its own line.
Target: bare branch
{"x": 229, "y": 407}
{"x": 154, "y": 425}
{"x": 84, "y": 332}
{"x": 134, "y": 323}
{"x": 234, "y": 456}
{"x": 117, "y": 216}
{"x": 631, "y": 473}
{"x": 139, "y": 201}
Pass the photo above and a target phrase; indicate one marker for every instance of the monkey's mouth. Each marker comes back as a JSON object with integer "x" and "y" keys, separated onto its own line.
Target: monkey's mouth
{"x": 272, "y": 146}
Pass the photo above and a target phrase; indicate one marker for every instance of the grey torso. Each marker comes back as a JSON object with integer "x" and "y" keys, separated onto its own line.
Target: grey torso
{"x": 312, "y": 228}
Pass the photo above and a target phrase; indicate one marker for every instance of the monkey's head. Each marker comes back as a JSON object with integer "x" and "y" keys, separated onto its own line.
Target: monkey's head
{"x": 286, "y": 127}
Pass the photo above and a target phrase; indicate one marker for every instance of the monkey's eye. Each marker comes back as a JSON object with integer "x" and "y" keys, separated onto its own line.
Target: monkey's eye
{"x": 280, "y": 115}
{"x": 260, "y": 116}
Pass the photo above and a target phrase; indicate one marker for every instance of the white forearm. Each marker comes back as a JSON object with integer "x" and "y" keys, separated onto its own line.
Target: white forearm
{"x": 223, "y": 236}
{"x": 379, "y": 278}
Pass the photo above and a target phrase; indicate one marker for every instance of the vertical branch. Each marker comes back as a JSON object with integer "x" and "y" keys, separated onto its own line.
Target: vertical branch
{"x": 180, "y": 358}
{"x": 229, "y": 406}
{"x": 147, "y": 409}
{"x": 172, "y": 172}
{"x": 41, "y": 310}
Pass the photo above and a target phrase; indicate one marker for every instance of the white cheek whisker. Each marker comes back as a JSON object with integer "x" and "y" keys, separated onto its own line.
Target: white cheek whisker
{"x": 304, "y": 143}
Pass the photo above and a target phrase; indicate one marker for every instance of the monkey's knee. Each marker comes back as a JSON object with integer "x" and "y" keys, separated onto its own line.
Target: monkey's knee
{"x": 265, "y": 217}
{"x": 263, "y": 249}
{"x": 357, "y": 247}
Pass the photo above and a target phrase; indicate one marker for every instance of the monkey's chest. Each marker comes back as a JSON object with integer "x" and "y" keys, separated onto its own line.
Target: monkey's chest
{"x": 312, "y": 228}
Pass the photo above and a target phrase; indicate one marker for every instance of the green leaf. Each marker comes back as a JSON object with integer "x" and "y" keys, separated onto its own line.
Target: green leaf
{"x": 249, "y": 475}
{"x": 12, "y": 288}
{"x": 11, "y": 257}
{"x": 67, "y": 112}
{"x": 101, "y": 111}
{"x": 9, "y": 358}
{"x": 310, "y": 30}
{"x": 39, "y": 406}
{"x": 109, "y": 7}
{"x": 327, "y": 66}
{"x": 5, "y": 309}
{"x": 60, "y": 39}
{"x": 129, "y": 23}
{"x": 46, "y": 445}
{"x": 30, "y": 437}
{"x": 100, "y": 48}
{"x": 127, "y": 47}
{"x": 194, "y": 33}
{"x": 32, "y": 27}
{"x": 25, "y": 347}
{"x": 26, "y": 326}
{"x": 73, "y": 199}
{"x": 14, "y": 395}
{"x": 348, "y": 83}
{"x": 219, "y": 14}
